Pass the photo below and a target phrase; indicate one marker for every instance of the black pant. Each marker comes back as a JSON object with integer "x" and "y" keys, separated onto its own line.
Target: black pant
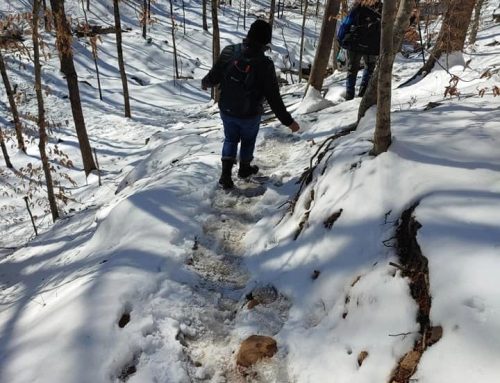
{"x": 353, "y": 65}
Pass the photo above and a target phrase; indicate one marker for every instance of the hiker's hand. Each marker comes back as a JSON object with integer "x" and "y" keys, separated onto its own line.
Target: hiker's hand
{"x": 204, "y": 87}
{"x": 294, "y": 127}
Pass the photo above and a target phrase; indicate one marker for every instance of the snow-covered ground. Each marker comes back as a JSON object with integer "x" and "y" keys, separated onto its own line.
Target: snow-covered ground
{"x": 146, "y": 278}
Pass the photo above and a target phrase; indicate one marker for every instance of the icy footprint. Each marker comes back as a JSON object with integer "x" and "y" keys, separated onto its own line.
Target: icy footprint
{"x": 248, "y": 189}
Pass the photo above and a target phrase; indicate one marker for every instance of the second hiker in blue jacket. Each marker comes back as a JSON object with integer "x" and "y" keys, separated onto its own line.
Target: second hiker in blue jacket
{"x": 362, "y": 41}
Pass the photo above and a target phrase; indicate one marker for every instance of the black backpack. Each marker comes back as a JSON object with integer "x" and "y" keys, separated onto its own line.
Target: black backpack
{"x": 362, "y": 36}
{"x": 240, "y": 93}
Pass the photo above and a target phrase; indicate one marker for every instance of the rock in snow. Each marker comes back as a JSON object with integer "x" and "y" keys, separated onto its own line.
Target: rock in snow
{"x": 255, "y": 348}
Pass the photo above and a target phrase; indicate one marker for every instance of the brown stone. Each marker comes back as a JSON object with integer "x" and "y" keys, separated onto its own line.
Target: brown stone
{"x": 252, "y": 303}
{"x": 255, "y": 348}
{"x": 361, "y": 357}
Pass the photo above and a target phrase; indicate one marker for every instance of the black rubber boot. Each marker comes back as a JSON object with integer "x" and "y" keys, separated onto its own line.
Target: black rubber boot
{"x": 225, "y": 179}
{"x": 362, "y": 90}
{"x": 349, "y": 94}
{"x": 246, "y": 170}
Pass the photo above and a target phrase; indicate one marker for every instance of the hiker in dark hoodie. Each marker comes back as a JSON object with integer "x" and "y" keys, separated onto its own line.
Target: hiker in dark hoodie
{"x": 246, "y": 77}
{"x": 362, "y": 41}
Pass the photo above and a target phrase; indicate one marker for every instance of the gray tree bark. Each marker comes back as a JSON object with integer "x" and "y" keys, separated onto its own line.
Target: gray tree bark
{"x": 245, "y": 15}
{"x": 121, "y": 62}
{"x": 382, "y": 136}
{"x": 475, "y": 22}
{"x": 45, "y": 17}
{"x": 41, "y": 113}
{"x": 271, "y": 13}
{"x": 215, "y": 44}
{"x": 183, "y": 17}
{"x": 172, "y": 22}
{"x": 63, "y": 41}
{"x": 318, "y": 70}
{"x": 93, "y": 46}
{"x": 204, "y": 15}
{"x": 4, "y": 151}
{"x": 304, "y": 17}
{"x": 144, "y": 20}
{"x": 13, "y": 106}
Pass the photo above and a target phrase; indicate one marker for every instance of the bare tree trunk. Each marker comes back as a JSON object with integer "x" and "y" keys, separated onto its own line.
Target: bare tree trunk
{"x": 93, "y": 46}
{"x": 475, "y": 22}
{"x": 183, "y": 17}
{"x": 144, "y": 19}
{"x": 121, "y": 63}
{"x": 280, "y": 5}
{"x": 245, "y": 15}
{"x": 324, "y": 48}
{"x": 271, "y": 13}
{"x": 172, "y": 22}
{"x": 215, "y": 44}
{"x": 41, "y": 114}
{"x": 302, "y": 40}
{"x": 205, "y": 24}
{"x": 453, "y": 31}
{"x": 382, "y": 137}
{"x": 88, "y": 5}
{"x": 63, "y": 39}
{"x": 95, "y": 55}
{"x": 45, "y": 18}
{"x": 336, "y": 45}
{"x": 4, "y": 151}
{"x": 336, "y": 50}
{"x": 400, "y": 26}
{"x": 13, "y": 106}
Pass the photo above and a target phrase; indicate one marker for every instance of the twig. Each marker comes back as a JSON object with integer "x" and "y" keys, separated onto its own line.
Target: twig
{"x": 31, "y": 215}
{"x": 288, "y": 53}
{"x": 319, "y": 154}
{"x": 403, "y": 334}
{"x": 387, "y": 242}
{"x": 98, "y": 168}
{"x": 397, "y": 266}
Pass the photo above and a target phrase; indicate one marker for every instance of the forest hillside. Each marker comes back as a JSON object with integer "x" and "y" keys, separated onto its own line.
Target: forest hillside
{"x": 349, "y": 266}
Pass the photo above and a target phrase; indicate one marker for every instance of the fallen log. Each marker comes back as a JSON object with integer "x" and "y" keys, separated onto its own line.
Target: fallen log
{"x": 83, "y": 30}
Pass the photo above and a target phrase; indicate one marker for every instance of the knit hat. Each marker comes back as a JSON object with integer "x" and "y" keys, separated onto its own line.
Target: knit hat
{"x": 260, "y": 32}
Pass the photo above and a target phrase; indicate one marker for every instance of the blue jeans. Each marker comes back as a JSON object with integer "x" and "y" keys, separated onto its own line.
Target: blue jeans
{"x": 238, "y": 130}
{"x": 353, "y": 64}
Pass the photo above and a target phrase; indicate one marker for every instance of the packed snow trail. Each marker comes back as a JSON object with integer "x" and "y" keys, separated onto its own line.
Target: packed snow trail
{"x": 214, "y": 317}
{"x": 222, "y": 311}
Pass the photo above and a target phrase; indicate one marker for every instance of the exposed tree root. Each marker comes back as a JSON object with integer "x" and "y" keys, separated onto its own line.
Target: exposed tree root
{"x": 307, "y": 177}
{"x": 325, "y": 147}
{"x": 83, "y": 30}
{"x": 305, "y": 218}
{"x": 415, "y": 267}
{"x": 332, "y": 219}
